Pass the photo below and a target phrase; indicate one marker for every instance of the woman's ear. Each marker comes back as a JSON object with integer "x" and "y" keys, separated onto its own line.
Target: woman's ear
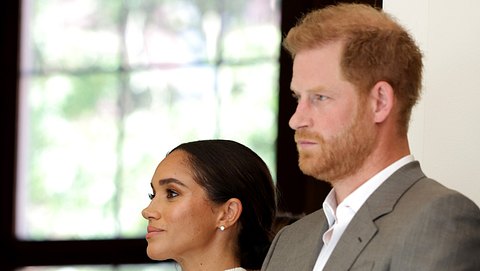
{"x": 230, "y": 213}
{"x": 383, "y": 99}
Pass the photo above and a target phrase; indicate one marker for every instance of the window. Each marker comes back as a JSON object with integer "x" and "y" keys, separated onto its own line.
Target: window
{"x": 112, "y": 81}
{"x": 109, "y": 87}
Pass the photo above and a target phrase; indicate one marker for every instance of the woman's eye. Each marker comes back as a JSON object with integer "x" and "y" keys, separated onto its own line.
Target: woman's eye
{"x": 171, "y": 193}
{"x": 151, "y": 196}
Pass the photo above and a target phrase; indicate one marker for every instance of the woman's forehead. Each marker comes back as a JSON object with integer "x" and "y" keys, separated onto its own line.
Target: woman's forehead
{"x": 174, "y": 166}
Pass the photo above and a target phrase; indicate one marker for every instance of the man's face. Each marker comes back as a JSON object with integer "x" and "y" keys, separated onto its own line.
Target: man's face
{"x": 333, "y": 128}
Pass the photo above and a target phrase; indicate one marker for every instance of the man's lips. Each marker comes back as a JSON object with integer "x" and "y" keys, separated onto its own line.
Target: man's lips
{"x": 152, "y": 231}
{"x": 305, "y": 141}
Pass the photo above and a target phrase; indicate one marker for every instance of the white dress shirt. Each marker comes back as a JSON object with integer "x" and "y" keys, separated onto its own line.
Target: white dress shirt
{"x": 339, "y": 217}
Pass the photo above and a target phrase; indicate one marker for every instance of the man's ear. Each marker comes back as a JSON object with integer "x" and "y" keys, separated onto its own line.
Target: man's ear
{"x": 230, "y": 213}
{"x": 383, "y": 100}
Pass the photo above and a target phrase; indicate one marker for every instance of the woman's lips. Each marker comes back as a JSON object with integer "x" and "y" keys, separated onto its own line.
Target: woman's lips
{"x": 152, "y": 231}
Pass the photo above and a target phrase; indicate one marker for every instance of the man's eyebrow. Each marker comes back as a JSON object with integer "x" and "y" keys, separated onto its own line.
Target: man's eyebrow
{"x": 310, "y": 90}
{"x": 316, "y": 88}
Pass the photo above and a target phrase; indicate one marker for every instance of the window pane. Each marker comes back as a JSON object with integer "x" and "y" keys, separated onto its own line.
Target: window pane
{"x": 109, "y": 87}
{"x": 248, "y": 103}
{"x": 64, "y": 35}
{"x": 70, "y": 158}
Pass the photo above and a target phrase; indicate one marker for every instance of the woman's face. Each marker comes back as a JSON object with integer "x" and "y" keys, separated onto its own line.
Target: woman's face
{"x": 181, "y": 219}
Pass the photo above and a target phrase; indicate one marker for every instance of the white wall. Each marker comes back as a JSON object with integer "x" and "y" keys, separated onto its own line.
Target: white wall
{"x": 445, "y": 128}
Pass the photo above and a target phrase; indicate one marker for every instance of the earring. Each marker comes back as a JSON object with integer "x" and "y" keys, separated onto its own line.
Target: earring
{"x": 222, "y": 228}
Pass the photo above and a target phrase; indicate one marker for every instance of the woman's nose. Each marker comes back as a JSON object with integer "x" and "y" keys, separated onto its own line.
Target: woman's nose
{"x": 149, "y": 212}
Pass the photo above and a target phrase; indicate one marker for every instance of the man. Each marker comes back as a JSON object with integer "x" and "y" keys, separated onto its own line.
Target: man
{"x": 356, "y": 76}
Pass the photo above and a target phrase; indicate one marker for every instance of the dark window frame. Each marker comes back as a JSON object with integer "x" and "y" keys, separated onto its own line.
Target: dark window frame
{"x": 298, "y": 193}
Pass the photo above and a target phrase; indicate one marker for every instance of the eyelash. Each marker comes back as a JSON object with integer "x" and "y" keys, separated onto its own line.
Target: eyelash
{"x": 170, "y": 194}
{"x": 295, "y": 97}
{"x": 314, "y": 98}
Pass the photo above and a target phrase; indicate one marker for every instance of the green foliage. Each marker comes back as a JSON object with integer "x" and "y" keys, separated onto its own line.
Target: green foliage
{"x": 87, "y": 94}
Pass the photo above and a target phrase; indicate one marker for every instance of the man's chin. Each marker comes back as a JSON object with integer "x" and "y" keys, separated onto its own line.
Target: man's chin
{"x": 312, "y": 169}
{"x": 307, "y": 167}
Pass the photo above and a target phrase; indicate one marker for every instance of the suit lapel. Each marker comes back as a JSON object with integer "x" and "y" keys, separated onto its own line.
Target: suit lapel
{"x": 362, "y": 228}
{"x": 307, "y": 251}
{"x": 357, "y": 235}
{"x": 315, "y": 251}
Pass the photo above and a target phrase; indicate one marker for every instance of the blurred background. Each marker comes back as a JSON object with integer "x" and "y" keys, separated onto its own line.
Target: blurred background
{"x": 108, "y": 87}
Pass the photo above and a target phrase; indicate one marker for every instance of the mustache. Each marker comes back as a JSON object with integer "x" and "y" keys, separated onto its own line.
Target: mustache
{"x": 307, "y": 135}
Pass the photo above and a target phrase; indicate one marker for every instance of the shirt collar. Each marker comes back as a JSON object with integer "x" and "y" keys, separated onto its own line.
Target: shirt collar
{"x": 356, "y": 199}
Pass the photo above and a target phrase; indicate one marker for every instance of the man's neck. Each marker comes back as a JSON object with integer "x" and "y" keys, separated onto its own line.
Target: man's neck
{"x": 370, "y": 168}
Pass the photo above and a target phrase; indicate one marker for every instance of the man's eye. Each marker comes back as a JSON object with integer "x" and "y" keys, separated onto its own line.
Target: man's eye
{"x": 295, "y": 96}
{"x": 320, "y": 97}
{"x": 171, "y": 193}
{"x": 151, "y": 196}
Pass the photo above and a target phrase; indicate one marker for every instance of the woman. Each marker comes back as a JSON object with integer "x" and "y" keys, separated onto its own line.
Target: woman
{"x": 212, "y": 207}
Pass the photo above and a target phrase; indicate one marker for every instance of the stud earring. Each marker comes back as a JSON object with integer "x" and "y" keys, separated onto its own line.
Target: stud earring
{"x": 222, "y": 228}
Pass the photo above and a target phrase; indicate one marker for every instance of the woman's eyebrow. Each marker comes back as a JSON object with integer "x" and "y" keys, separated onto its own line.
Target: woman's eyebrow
{"x": 169, "y": 181}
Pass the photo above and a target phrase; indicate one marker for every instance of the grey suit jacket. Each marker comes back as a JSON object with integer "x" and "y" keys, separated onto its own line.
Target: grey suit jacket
{"x": 410, "y": 222}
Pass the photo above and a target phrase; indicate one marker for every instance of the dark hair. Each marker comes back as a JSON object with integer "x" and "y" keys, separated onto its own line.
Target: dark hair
{"x": 227, "y": 169}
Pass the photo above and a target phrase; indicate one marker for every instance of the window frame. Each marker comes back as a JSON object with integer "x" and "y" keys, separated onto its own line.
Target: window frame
{"x": 304, "y": 195}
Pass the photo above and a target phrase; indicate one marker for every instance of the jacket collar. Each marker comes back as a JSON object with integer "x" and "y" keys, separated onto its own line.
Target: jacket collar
{"x": 362, "y": 227}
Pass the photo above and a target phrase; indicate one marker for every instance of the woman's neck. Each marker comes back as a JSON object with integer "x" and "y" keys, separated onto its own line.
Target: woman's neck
{"x": 210, "y": 261}
{"x": 218, "y": 255}
{"x": 210, "y": 266}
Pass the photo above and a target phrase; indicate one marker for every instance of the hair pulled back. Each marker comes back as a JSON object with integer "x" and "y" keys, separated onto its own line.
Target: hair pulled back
{"x": 227, "y": 169}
